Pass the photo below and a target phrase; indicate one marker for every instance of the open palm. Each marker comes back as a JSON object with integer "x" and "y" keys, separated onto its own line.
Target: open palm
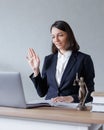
{"x": 33, "y": 59}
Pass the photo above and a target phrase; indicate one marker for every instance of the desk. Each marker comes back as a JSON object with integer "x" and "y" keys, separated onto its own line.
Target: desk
{"x": 49, "y": 118}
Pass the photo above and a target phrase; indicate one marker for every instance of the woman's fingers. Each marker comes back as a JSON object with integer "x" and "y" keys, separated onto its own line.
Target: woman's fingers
{"x": 33, "y": 59}
{"x": 31, "y": 53}
{"x": 58, "y": 99}
{"x": 63, "y": 99}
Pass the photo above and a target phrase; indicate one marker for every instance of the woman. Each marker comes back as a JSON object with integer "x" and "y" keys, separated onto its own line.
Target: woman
{"x": 60, "y": 67}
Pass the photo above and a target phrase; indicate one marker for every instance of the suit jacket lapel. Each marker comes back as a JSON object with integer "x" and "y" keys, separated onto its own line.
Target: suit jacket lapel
{"x": 68, "y": 68}
{"x": 53, "y": 68}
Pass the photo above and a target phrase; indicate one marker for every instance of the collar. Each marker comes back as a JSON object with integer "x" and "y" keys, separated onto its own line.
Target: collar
{"x": 67, "y": 54}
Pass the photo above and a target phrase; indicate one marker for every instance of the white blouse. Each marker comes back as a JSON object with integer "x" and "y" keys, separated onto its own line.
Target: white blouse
{"x": 61, "y": 64}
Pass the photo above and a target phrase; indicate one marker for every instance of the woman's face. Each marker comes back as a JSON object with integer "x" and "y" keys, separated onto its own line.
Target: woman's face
{"x": 59, "y": 38}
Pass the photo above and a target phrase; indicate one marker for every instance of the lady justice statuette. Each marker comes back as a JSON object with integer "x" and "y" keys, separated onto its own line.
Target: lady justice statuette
{"x": 83, "y": 92}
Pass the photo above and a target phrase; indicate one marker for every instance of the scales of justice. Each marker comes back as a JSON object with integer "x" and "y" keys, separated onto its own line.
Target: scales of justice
{"x": 83, "y": 92}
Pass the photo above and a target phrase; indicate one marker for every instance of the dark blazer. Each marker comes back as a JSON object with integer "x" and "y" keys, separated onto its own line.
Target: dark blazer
{"x": 46, "y": 84}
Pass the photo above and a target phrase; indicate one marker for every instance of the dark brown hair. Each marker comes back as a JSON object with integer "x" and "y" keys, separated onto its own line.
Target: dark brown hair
{"x": 72, "y": 44}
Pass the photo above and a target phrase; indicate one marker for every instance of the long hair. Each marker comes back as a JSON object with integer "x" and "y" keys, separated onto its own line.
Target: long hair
{"x": 72, "y": 43}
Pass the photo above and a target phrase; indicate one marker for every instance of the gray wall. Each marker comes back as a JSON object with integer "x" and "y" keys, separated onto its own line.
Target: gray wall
{"x": 26, "y": 23}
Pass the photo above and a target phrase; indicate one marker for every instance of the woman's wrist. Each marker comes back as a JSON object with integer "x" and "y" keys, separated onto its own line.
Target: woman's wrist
{"x": 36, "y": 72}
{"x": 71, "y": 99}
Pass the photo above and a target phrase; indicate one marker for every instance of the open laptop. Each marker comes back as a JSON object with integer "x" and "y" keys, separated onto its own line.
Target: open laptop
{"x": 11, "y": 91}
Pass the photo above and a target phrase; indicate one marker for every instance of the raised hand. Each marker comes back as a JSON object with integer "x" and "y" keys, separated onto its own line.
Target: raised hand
{"x": 33, "y": 60}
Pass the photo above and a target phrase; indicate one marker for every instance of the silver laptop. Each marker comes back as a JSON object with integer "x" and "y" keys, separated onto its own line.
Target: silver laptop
{"x": 11, "y": 91}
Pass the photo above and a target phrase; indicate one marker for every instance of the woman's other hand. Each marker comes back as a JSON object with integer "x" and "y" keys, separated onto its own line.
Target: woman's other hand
{"x": 63, "y": 99}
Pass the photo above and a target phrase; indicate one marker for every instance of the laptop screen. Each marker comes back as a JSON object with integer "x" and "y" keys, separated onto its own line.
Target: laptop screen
{"x": 11, "y": 90}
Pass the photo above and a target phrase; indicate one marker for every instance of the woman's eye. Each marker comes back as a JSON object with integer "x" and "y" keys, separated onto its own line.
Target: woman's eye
{"x": 60, "y": 35}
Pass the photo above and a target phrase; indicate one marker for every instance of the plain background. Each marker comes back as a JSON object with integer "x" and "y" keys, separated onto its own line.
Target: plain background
{"x": 26, "y": 23}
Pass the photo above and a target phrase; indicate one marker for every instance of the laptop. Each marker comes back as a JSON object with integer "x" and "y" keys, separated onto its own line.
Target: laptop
{"x": 12, "y": 94}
